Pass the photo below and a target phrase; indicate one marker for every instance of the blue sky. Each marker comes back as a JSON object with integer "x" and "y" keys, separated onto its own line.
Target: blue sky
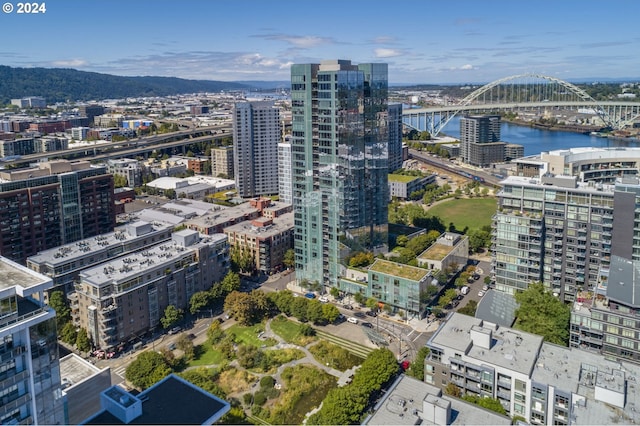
{"x": 423, "y": 41}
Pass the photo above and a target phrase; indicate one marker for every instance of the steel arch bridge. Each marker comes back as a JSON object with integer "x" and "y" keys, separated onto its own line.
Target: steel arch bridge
{"x": 523, "y": 92}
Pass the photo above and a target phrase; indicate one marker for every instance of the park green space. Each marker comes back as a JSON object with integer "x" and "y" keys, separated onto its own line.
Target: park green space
{"x": 473, "y": 213}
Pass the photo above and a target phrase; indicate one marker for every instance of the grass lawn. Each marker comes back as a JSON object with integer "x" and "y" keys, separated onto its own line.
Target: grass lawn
{"x": 289, "y": 331}
{"x": 249, "y": 335}
{"x": 206, "y": 355}
{"x": 472, "y": 212}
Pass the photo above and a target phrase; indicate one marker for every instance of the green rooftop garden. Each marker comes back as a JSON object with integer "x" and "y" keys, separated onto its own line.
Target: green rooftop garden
{"x": 401, "y": 178}
{"x": 436, "y": 252}
{"x": 398, "y": 270}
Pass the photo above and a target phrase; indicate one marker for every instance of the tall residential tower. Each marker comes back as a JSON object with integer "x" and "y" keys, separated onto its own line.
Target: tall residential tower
{"x": 340, "y": 163}
{"x": 256, "y": 133}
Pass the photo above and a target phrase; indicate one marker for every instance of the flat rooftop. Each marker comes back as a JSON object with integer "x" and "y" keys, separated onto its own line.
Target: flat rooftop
{"x": 436, "y": 251}
{"x": 402, "y": 178}
{"x": 138, "y": 263}
{"x": 74, "y": 369}
{"x": 399, "y": 270}
{"x": 403, "y": 405}
{"x": 63, "y": 254}
{"x": 224, "y": 215}
{"x": 580, "y": 372}
{"x": 172, "y": 401}
{"x": 510, "y": 348}
{"x": 23, "y": 280}
{"x": 280, "y": 224}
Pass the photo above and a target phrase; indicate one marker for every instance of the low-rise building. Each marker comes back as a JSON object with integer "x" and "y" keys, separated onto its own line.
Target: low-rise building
{"x": 127, "y": 167}
{"x": 398, "y": 285}
{"x": 266, "y": 239}
{"x": 402, "y": 186}
{"x": 542, "y": 382}
{"x": 82, "y": 383}
{"x": 450, "y": 250}
{"x": 121, "y": 299}
{"x": 410, "y": 402}
{"x": 171, "y": 401}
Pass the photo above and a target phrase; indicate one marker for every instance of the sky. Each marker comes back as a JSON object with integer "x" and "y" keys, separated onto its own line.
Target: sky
{"x": 423, "y": 41}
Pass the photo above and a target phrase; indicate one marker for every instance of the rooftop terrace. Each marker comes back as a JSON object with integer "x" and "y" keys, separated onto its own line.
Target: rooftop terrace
{"x": 398, "y": 270}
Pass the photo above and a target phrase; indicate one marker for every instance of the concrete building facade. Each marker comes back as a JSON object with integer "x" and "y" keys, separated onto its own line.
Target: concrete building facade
{"x": 285, "y": 171}
{"x": 121, "y": 299}
{"x": 256, "y": 134}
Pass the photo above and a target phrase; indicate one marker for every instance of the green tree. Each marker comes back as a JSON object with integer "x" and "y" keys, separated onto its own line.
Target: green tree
{"x": 68, "y": 333}
{"x": 372, "y": 304}
{"x": 416, "y": 368}
{"x": 215, "y": 333}
{"x": 58, "y": 302}
{"x": 170, "y": 194}
{"x": 335, "y": 292}
{"x": 205, "y": 378}
{"x": 402, "y": 241}
{"x": 172, "y": 316}
{"x": 83, "y": 343}
{"x": 492, "y": 404}
{"x": 469, "y": 308}
{"x": 238, "y": 304}
{"x": 453, "y": 390}
{"x": 289, "y": 260}
{"x": 119, "y": 181}
{"x": 230, "y": 282}
{"x": 361, "y": 259}
{"x": 199, "y": 300}
{"x": 542, "y": 313}
{"x": 242, "y": 259}
{"x": 360, "y": 298}
{"x": 329, "y": 312}
{"x": 148, "y": 368}
{"x": 447, "y": 297}
{"x": 315, "y": 312}
{"x": 429, "y": 292}
{"x": 185, "y": 344}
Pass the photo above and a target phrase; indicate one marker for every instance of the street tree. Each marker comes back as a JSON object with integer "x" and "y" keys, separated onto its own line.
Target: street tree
{"x": 58, "y": 302}
{"x": 330, "y": 313}
{"x": 238, "y": 304}
{"x": 83, "y": 343}
{"x": 172, "y": 316}
{"x": 215, "y": 333}
{"x": 147, "y": 369}
{"x": 416, "y": 368}
{"x": 289, "y": 258}
{"x": 199, "y": 300}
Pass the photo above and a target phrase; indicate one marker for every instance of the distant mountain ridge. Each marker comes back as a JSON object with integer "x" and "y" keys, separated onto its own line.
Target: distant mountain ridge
{"x": 62, "y": 84}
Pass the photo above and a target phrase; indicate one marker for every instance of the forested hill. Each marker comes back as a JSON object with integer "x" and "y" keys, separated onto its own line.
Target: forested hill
{"x": 61, "y": 84}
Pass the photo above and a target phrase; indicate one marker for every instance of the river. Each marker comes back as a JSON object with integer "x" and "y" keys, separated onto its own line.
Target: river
{"x": 536, "y": 140}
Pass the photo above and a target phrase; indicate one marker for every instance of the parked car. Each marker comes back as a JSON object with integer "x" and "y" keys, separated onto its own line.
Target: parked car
{"x": 175, "y": 330}
{"x": 349, "y": 307}
{"x": 323, "y": 299}
{"x": 485, "y": 287}
{"x": 359, "y": 314}
{"x": 481, "y": 293}
{"x": 310, "y": 296}
{"x": 465, "y": 289}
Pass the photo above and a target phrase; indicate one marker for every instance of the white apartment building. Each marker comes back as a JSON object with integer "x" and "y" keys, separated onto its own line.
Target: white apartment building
{"x": 256, "y": 133}
{"x": 285, "y": 173}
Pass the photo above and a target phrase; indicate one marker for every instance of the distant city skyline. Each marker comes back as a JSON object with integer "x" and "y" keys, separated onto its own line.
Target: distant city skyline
{"x": 422, "y": 41}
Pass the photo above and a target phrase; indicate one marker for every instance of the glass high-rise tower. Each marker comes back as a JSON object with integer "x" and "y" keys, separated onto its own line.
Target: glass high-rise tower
{"x": 340, "y": 164}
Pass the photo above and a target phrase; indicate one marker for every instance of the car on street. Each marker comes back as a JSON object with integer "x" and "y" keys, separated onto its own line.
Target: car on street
{"x": 310, "y": 296}
{"x": 367, "y": 324}
{"x": 371, "y": 313}
{"x": 465, "y": 289}
{"x": 352, "y": 320}
{"x": 480, "y": 293}
{"x": 323, "y": 299}
{"x": 485, "y": 287}
{"x": 359, "y": 314}
{"x": 175, "y": 330}
{"x": 349, "y": 307}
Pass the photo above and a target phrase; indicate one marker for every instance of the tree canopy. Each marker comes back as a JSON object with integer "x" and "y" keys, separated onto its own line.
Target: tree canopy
{"x": 148, "y": 368}
{"x": 542, "y": 313}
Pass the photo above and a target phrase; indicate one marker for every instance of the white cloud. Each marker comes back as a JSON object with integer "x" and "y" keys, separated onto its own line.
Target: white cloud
{"x": 70, "y": 63}
{"x": 467, "y": 67}
{"x": 387, "y": 53}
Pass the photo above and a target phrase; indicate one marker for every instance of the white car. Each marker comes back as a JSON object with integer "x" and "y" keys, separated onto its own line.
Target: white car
{"x": 323, "y": 299}
{"x": 481, "y": 293}
{"x": 352, "y": 320}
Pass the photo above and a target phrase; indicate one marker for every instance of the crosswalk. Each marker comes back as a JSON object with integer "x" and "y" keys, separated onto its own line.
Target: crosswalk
{"x": 120, "y": 371}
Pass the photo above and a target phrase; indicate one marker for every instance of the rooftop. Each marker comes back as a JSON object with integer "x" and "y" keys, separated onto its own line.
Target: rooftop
{"x": 74, "y": 369}
{"x": 509, "y": 348}
{"x": 63, "y": 254}
{"x": 402, "y": 178}
{"x": 436, "y": 251}
{"x": 171, "y": 401}
{"x": 404, "y": 405}
{"x": 280, "y": 224}
{"x": 22, "y": 280}
{"x": 138, "y": 263}
{"x": 399, "y": 270}
{"x": 497, "y": 307}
